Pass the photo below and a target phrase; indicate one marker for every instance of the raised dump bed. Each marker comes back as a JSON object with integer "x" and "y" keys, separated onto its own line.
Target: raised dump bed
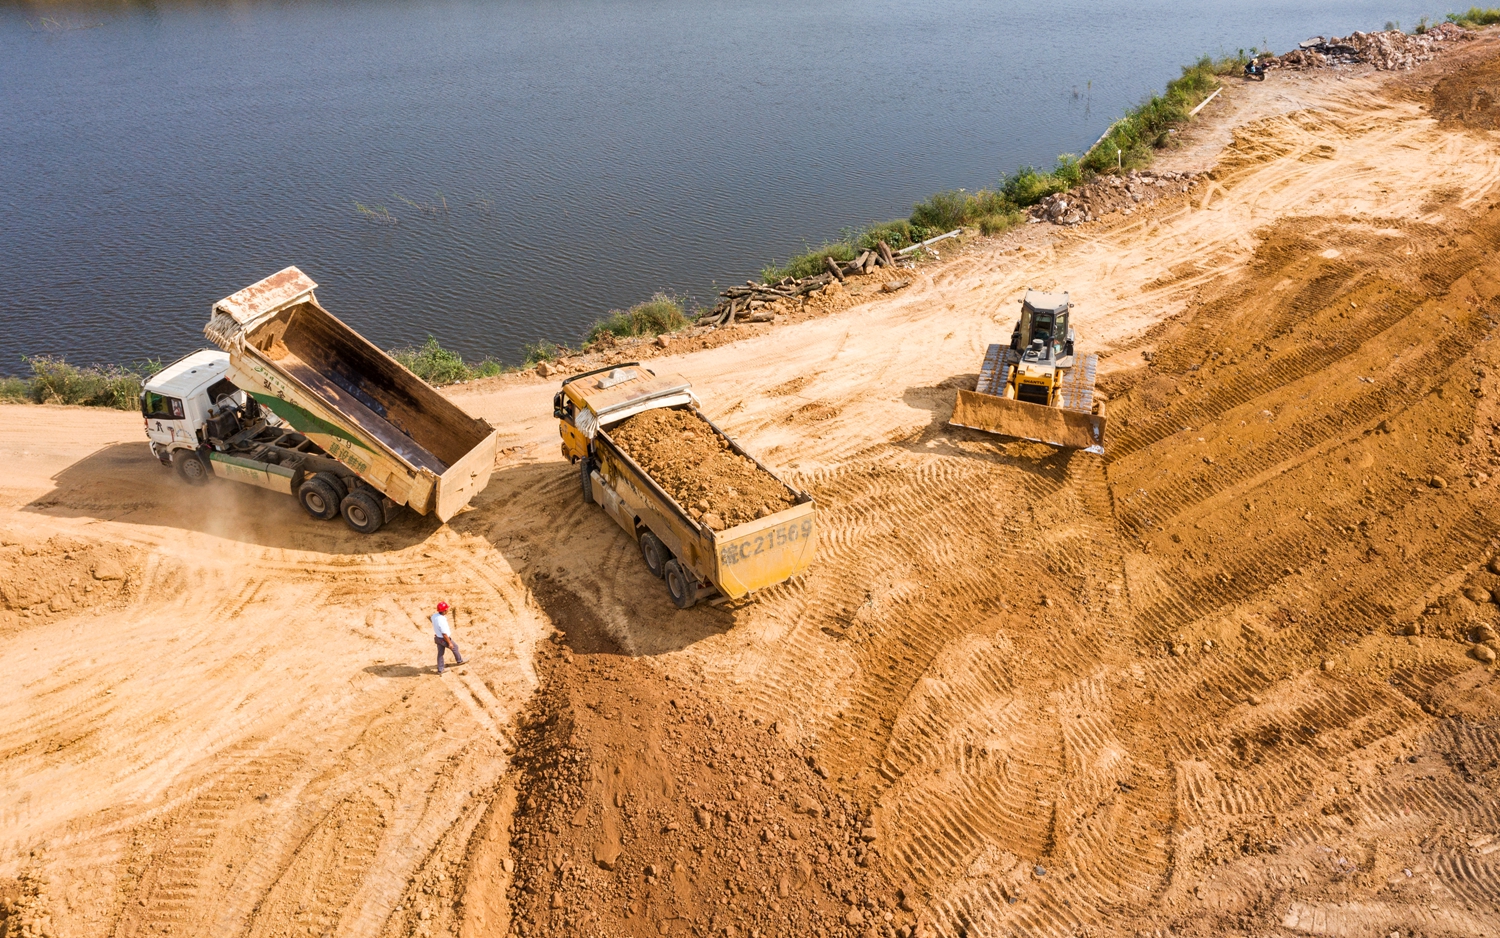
{"x": 390, "y": 431}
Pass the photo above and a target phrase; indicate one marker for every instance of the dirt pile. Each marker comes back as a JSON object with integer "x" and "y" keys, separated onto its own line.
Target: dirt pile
{"x": 1469, "y": 97}
{"x": 60, "y": 576}
{"x": 696, "y": 466}
{"x": 644, "y": 808}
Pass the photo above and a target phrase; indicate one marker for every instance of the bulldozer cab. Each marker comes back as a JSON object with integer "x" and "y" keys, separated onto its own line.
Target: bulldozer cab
{"x": 1042, "y": 333}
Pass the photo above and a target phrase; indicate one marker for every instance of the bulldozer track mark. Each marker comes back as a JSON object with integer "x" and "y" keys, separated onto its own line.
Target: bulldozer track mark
{"x": 324, "y": 872}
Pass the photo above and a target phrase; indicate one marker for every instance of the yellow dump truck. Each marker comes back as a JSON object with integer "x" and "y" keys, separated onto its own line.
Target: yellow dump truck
{"x": 696, "y": 560}
{"x": 297, "y": 402}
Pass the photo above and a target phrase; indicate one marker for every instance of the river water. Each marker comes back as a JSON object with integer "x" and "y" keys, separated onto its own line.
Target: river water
{"x": 543, "y": 162}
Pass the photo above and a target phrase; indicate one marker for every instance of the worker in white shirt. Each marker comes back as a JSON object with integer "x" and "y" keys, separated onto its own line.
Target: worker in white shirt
{"x": 442, "y": 635}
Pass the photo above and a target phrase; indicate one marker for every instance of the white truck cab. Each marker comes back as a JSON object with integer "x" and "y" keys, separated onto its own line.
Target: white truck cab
{"x": 176, "y": 401}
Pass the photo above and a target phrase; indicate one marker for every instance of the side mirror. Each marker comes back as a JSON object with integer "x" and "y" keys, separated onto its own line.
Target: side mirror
{"x": 557, "y": 406}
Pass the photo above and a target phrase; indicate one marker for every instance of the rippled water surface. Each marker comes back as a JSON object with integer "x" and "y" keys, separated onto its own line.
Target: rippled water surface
{"x": 544, "y": 161}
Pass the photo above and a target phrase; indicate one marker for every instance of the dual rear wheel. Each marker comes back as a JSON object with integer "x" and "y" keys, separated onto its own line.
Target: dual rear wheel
{"x": 682, "y": 586}
{"x": 324, "y": 496}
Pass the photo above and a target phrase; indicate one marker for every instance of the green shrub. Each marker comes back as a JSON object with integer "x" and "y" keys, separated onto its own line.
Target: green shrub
{"x": 953, "y": 209}
{"x": 438, "y": 366}
{"x": 659, "y": 314}
{"x": 1475, "y": 17}
{"x": 897, "y": 234}
{"x": 1028, "y": 186}
{"x": 55, "y": 381}
{"x": 944, "y": 211}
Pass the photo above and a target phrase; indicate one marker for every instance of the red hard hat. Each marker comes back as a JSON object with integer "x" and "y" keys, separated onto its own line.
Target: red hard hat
{"x": 442, "y": 607}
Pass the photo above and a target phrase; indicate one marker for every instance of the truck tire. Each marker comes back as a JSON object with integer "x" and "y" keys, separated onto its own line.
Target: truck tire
{"x": 319, "y": 498}
{"x": 190, "y": 467}
{"x": 339, "y": 488}
{"x": 683, "y": 589}
{"x": 655, "y": 553}
{"x": 585, "y": 474}
{"x": 362, "y": 512}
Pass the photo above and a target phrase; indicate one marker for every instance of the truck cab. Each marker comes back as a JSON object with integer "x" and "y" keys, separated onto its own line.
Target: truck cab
{"x": 177, "y": 404}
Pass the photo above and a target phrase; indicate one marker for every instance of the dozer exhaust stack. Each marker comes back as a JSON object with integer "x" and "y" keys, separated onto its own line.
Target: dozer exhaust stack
{"x": 1037, "y": 422}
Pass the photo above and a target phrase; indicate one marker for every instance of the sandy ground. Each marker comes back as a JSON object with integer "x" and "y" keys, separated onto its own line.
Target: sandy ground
{"x": 1219, "y": 682}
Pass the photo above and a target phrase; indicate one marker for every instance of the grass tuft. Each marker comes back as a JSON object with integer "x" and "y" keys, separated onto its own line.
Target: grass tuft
{"x": 14, "y": 390}
{"x": 661, "y": 313}
{"x": 543, "y": 352}
{"x": 438, "y": 366}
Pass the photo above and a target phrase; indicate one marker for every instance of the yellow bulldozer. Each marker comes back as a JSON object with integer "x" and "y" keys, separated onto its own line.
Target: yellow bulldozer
{"x": 1037, "y": 388}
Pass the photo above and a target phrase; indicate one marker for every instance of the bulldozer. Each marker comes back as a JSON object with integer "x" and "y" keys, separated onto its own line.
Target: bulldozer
{"x": 1037, "y": 387}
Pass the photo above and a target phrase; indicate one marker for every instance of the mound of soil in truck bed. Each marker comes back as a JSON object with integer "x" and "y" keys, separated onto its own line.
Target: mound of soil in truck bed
{"x": 696, "y": 467}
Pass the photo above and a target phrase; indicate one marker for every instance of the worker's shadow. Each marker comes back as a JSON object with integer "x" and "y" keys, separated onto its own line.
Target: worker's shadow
{"x": 583, "y": 571}
{"x": 123, "y": 482}
{"x": 939, "y": 437}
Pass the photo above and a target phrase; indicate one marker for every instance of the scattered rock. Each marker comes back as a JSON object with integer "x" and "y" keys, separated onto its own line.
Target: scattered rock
{"x": 1327, "y": 664}
{"x": 1477, "y": 594}
{"x": 1412, "y": 628}
{"x": 606, "y": 854}
{"x": 1438, "y": 482}
{"x": 713, "y": 521}
{"x": 543, "y": 369}
{"x": 1484, "y": 653}
{"x": 662, "y": 341}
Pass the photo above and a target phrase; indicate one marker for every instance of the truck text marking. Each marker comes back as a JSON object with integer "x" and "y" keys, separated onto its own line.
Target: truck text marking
{"x": 769, "y": 540}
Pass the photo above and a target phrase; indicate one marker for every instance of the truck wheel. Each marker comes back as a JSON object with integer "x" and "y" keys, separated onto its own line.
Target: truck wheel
{"x": 319, "y": 498}
{"x": 585, "y": 471}
{"x": 362, "y": 512}
{"x": 190, "y": 467}
{"x": 684, "y": 591}
{"x": 655, "y": 553}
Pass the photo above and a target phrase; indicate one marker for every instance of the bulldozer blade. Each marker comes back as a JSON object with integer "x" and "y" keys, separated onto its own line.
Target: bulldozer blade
{"x": 1035, "y": 422}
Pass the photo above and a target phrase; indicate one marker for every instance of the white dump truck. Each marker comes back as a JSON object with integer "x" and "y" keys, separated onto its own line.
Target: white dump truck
{"x": 295, "y": 401}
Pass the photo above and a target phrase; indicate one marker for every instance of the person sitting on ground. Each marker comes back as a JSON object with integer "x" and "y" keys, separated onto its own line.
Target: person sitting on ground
{"x": 442, "y": 636}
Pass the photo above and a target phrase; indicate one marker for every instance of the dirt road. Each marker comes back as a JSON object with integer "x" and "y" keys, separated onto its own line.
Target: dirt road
{"x": 1219, "y": 682}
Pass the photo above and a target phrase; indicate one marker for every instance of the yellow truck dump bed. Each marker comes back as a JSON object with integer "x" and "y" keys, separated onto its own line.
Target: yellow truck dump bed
{"x": 699, "y": 554}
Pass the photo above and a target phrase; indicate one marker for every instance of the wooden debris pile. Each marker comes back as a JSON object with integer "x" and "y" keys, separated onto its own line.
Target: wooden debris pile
{"x": 759, "y": 302}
